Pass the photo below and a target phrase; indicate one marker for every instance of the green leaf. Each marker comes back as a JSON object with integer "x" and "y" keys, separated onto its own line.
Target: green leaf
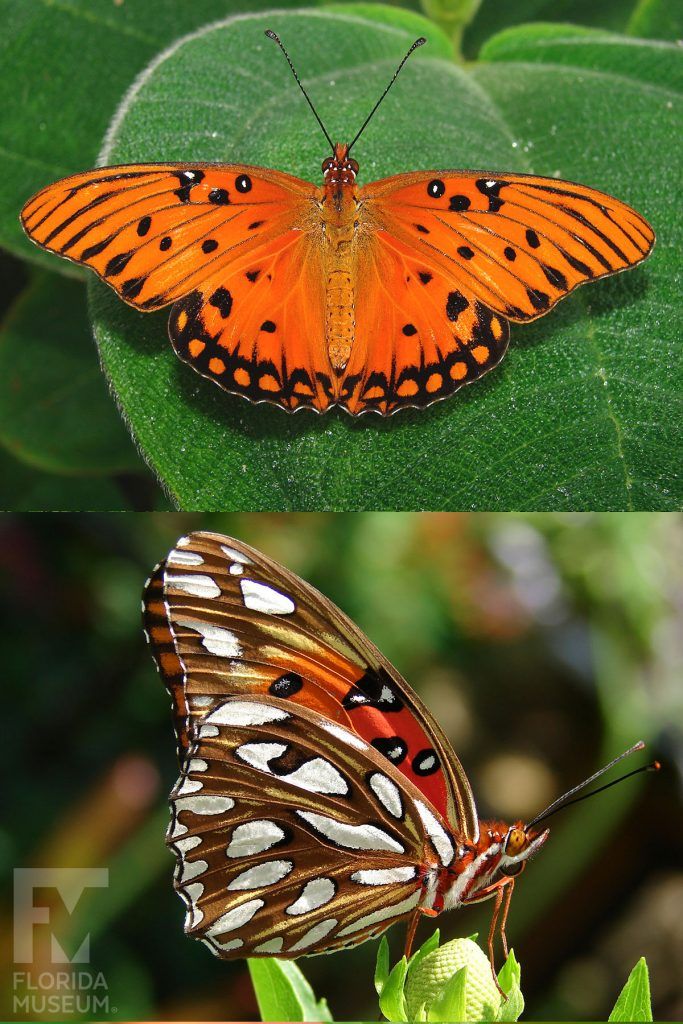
{"x": 634, "y": 1002}
{"x": 494, "y": 16}
{"x": 67, "y": 65}
{"x": 589, "y": 48}
{"x": 283, "y": 993}
{"x": 450, "y": 1003}
{"x": 382, "y": 965}
{"x": 657, "y": 19}
{"x": 428, "y": 946}
{"x": 392, "y": 1001}
{"x": 509, "y": 979}
{"x": 573, "y": 417}
{"x": 55, "y": 412}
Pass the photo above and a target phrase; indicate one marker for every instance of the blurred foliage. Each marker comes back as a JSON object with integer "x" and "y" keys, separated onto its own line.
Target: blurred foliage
{"x": 543, "y": 643}
{"x": 573, "y": 417}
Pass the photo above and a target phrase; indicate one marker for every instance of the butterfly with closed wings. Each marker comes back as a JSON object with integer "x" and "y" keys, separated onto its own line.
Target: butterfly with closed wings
{"x": 319, "y": 801}
{"x": 374, "y": 298}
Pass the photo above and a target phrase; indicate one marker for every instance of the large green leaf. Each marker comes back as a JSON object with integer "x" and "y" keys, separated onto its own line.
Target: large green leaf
{"x": 493, "y": 16}
{"x": 283, "y": 993}
{"x": 55, "y": 412}
{"x": 63, "y": 69}
{"x": 634, "y": 1002}
{"x": 582, "y": 412}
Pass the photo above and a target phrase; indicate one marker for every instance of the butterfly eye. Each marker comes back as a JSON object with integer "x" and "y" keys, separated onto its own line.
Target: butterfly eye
{"x": 353, "y": 165}
{"x": 328, "y": 162}
{"x": 516, "y": 841}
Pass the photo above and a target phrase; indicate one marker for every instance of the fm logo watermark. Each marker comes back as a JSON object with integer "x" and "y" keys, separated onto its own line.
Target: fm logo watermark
{"x": 45, "y": 909}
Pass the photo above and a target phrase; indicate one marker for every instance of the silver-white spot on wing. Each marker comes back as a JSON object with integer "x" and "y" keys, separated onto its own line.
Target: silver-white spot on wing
{"x": 191, "y": 869}
{"x": 267, "y": 873}
{"x": 197, "y": 764}
{"x": 314, "y": 894}
{"x": 439, "y": 837}
{"x": 384, "y": 876}
{"x": 254, "y": 837}
{"x": 230, "y": 944}
{"x": 196, "y": 585}
{"x": 318, "y": 776}
{"x": 183, "y": 542}
{"x": 314, "y": 934}
{"x": 208, "y": 730}
{"x": 353, "y": 837}
{"x": 344, "y": 735}
{"x": 383, "y": 914}
{"x": 259, "y": 754}
{"x": 388, "y": 793}
{"x": 271, "y": 946}
{"x": 245, "y": 712}
{"x": 193, "y": 892}
{"x": 206, "y": 804}
{"x": 188, "y": 786}
{"x": 215, "y": 639}
{"x": 262, "y": 598}
{"x": 235, "y": 918}
{"x": 234, "y": 555}
{"x": 184, "y": 558}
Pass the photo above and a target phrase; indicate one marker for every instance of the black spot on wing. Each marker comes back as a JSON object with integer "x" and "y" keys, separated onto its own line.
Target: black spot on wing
{"x": 555, "y": 276}
{"x": 393, "y": 747}
{"x": 222, "y": 301}
{"x": 117, "y": 264}
{"x": 286, "y": 686}
{"x": 455, "y": 305}
{"x": 491, "y": 189}
{"x": 426, "y": 762}
{"x": 375, "y": 689}
{"x": 459, "y": 203}
{"x": 131, "y": 289}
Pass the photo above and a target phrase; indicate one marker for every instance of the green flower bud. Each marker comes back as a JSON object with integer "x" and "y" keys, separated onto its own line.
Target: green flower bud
{"x": 428, "y": 977}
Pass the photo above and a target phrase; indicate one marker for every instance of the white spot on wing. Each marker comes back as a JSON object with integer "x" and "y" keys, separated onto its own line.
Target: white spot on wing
{"x": 383, "y": 914}
{"x": 254, "y": 837}
{"x": 262, "y": 598}
{"x": 353, "y": 837}
{"x": 314, "y": 934}
{"x": 196, "y": 585}
{"x": 436, "y": 833}
{"x": 388, "y": 793}
{"x": 215, "y": 639}
{"x": 236, "y": 569}
{"x": 197, "y": 764}
{"x": 318, "y": 776}
{"x": 314, "y": 894}
{"x": 208, "y": 730}
{"x": 230, "y": 945}
{"x": 191, "y": 869}
{"x": 259, "y": 754}
{"x": 344, "y": 735}
{"x": 271, "y": 946}
{"x": 205, "y": 804}
{"x": 384, "y": 876}
{"x": 193, "y": 892}
{"x": 188, "y": 843}
{"x": 189, "y": 786}
{"x": 183, "y": 542}
{"x": 184, "y": 558}
{"x": 234, "y": 555}
{"x": 235, "y": 918}
{"x": 245, "y": 712}
{"x": 267, "y": 873}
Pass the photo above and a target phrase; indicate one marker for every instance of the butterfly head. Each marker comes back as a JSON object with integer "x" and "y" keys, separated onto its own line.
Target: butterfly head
{"x": 340, "y": 169}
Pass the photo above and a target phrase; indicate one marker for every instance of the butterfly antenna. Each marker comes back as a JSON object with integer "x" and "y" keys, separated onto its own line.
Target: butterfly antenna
{"x": 418, "y": 42}
{"x": 565, "y": 801}
{"x": 274, "y": 36}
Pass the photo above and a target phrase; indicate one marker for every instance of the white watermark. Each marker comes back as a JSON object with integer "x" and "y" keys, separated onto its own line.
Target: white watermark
{"x": 52, "y": 980}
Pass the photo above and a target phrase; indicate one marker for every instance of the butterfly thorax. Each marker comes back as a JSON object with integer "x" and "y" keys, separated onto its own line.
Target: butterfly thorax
{"x": 339, "y": 209}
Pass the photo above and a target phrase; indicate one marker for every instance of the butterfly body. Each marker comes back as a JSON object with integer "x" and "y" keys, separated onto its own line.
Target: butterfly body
{"x": 318, "y": 800}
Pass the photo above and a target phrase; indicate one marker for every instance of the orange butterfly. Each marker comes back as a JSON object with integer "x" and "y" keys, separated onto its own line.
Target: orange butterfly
{"x": 373, "y": 299}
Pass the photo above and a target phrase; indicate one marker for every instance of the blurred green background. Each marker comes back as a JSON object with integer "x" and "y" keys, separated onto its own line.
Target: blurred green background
{"x": 544, "y": 643}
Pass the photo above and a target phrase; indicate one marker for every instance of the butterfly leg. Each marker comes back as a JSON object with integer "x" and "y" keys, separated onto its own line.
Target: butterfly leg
{"x": 412, "y": 927}
{"x": 508, "y": 890}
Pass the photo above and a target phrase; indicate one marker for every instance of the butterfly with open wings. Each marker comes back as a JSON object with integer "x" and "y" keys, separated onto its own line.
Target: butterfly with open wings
{"x": 374, "y": 299}
{"x": 319, "y": 801}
